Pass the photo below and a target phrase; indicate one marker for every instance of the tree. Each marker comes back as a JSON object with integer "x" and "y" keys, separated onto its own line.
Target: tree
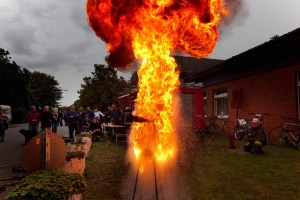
{"x": 4, "y": 56}
{"x": 274, "y": 37}
{"x": 102, "y": 89}
{"x": 21, "y": 88}
{"x": 13, "y": 82}
{"x": 45, "y": 89}
{"x": 134, "y": 79}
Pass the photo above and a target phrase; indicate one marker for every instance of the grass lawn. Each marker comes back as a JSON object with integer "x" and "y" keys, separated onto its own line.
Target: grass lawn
{"x": 211, "y": 171}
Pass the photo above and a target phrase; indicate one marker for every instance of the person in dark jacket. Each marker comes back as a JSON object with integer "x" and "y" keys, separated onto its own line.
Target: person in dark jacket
{"x": 116, "y": 114}
{"x": 96, "y": 130}
{"x": 72, "y": 117}
{"x": 46, "y": 118}
{"x": 256, "y": 137}
{"x": 89, "y": 112}
{"x": 60, "y": 118}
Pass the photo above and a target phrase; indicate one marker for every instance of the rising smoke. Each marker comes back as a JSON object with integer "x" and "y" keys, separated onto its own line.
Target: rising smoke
{"x": 238, "y": 14}
{"x": 116, "y": 22}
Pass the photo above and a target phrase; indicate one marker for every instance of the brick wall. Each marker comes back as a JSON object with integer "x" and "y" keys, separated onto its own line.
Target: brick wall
{"x": 273, "y": 92}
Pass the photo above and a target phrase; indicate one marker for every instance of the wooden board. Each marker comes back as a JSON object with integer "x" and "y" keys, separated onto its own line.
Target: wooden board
{"x": 32, "y": 153}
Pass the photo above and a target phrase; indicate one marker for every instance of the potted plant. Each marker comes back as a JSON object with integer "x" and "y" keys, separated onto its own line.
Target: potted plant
{"x": 49, "y": 184}
{"x": 78, "y": 145}
{"x": 85, "y": 137}
{"x": 75, "y": 162}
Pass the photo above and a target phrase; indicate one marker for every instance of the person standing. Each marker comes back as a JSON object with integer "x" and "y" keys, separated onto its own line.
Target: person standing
{"x": 72, "y": 117}
{"x": 81, "y": 118}
{"x": 3, "y": 120}
{"x": 98, "y": 114}
{"x": 60, "y": 118}
{"x": 64, "y": 118}
{"x": 33, "y": 118}
{"x": 116, "y": 114}
{"x": 46, "y": 118}
{"x": 89, "y": 112}
{"x": 54, "y": 120}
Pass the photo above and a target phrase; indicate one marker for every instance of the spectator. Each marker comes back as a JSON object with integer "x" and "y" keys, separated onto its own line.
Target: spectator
{"x": 64, "y": 118}
{"x": 33, "y": 119}
{"x": 257, "y": 137}
{"x": 72, "y": 118}
{"x": 98, "y": 114}
{"x": 96, "y": 130}
{"x": 60, "y": 118}
{"x": 81, "y": 118}
{"x": 3, "y": 121}
{"x": 89, "y": 112}
{"x": 54, "y": 120}
{"x": 108, "y": 114}
{"x": 86, "y": 123}
{"x": 115, "y": 114}
{"x": 46, "y": 118}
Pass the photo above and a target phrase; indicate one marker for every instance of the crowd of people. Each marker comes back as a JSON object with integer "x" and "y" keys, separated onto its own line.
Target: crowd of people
{"x": 78, "y": 121}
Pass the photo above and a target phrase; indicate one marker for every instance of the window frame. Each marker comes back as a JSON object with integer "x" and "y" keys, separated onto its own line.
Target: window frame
{"x": 218, "y": 95}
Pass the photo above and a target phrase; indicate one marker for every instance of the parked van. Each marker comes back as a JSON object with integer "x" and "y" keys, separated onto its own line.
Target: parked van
{"x": 7, "y": 111}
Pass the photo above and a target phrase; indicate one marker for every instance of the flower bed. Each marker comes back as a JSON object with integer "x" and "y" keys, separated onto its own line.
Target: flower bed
{"x": 48, "y": 184}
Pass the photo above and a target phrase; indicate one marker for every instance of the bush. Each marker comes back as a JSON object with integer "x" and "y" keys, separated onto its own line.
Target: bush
{"x": 84, "y": 134}
{"x": 75, "y": 154}
{"x": 48, "y": 184}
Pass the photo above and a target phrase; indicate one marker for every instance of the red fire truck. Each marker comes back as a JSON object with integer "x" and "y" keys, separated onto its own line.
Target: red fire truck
{"x": 192, "y": 109}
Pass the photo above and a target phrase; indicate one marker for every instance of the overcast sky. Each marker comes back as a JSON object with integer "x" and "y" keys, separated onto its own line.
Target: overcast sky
{"x": 54, "y": 37}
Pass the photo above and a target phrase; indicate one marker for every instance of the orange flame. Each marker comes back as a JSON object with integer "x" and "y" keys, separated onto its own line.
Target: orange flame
{"x": 148, "y": 30}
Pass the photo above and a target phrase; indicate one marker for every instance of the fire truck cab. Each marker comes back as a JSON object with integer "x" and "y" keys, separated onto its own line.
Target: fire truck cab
{"x": 191, "y": 99}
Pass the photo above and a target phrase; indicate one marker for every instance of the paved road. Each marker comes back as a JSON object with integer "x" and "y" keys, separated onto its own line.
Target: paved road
{"x": 11, "y": 152}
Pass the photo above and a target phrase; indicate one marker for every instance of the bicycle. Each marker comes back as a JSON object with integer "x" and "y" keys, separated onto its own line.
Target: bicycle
{"x": 244, "y": 125}
{"x": 220, "y": 126}
{"x": 226, "y": 126}
{"x": 287, "y": 132}
{"x": 210, "y": 128}
{"x": 242, "y": 128}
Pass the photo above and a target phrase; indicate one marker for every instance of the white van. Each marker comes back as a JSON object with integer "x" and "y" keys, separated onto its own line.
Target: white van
{"x": 7, "y": 111}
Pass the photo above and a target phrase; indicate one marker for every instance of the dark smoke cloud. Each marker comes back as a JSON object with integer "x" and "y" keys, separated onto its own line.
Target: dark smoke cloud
{"x": 113, "y": 20}
{"x": 238, "y": 14}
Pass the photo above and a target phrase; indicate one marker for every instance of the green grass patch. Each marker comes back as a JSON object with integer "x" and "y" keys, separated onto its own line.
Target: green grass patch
{"x": 213, "y": 172}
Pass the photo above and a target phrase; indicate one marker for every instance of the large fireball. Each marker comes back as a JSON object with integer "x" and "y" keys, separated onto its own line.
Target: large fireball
{"x": 148, "y": 31}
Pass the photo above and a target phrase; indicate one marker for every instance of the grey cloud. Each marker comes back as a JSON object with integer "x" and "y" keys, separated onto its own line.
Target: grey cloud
{"x": 79, "y": 17}
{"x": 21, "y": 39}
{"x": 42, "y": 9}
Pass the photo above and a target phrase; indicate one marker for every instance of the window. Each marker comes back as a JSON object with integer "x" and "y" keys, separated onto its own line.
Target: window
{"x": 220, "y": 103}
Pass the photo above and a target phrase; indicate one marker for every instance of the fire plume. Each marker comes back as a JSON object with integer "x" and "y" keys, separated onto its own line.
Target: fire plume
{"x": 148, "y": 31}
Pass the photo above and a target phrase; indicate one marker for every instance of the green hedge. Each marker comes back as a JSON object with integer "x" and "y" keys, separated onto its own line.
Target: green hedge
{"x": 48, "y": 184}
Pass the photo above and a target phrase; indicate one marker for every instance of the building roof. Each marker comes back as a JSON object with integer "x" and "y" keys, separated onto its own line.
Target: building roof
{"x": 277, "y": 53}
{"x": 189, "y": 66}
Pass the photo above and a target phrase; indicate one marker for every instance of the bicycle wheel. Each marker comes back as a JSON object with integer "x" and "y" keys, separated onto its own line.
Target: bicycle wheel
{"x": 239, "y": 134}
{"x": 278, "y": 137}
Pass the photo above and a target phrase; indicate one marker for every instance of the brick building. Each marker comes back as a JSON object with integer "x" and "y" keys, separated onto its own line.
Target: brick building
{"x": 264, "y": 79}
